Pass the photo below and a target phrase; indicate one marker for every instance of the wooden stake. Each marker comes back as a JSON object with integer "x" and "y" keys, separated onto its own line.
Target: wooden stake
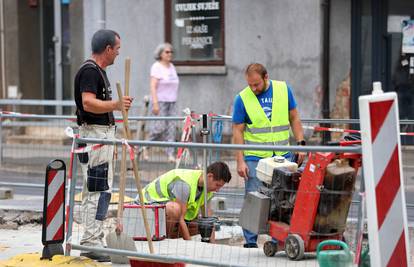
{"x": 135, "y": 170}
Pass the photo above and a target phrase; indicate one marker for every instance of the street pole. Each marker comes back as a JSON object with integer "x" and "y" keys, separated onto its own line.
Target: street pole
{"x": 57, "y": 39}
{"x": 205, "y": 132}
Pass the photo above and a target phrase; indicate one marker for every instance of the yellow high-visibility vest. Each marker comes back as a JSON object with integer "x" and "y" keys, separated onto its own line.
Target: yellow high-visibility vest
{"x": 157, "y": 190}
{"x": 261, "y": 130}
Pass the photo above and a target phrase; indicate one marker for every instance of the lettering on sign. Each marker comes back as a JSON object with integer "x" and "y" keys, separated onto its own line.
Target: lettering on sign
{"x": 197, "y": 42}
{"x": 203, "y": 6}
{"x": 203, "y": 28}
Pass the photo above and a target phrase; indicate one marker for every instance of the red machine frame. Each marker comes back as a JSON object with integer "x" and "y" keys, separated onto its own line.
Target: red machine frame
{"x": 299, "y": 237}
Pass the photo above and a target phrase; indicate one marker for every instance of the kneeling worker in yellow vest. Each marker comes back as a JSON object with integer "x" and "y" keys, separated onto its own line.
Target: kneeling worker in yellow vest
{"x": 182, "y": 191}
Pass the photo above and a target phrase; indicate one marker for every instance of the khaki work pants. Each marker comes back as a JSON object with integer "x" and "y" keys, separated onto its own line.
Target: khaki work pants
{"x": 95, "y": 200}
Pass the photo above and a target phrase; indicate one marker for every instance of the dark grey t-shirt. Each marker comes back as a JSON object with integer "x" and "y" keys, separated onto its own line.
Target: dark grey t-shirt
{"x": 181, "y": 190}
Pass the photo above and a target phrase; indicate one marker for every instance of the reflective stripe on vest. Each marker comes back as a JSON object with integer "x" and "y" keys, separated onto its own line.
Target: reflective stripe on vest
{"x": 261, "y": 130}
{"x": 157, "y": 190}
{"x": 268, "y": 129}
{"x": 280, "y": 143}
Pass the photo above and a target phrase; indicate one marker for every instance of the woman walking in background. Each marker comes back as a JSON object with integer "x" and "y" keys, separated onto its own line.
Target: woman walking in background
{"x": 164, "y": 89}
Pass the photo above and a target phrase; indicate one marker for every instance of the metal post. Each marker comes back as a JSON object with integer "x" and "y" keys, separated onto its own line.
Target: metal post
{"x": 193, "y": 151}
{"x": 2, "y": 51}
{"x": 1, "y": 137}
{"x": 361, "y": 219}
{"x": 57, "y": 39}
{"x": 42, "y": 60}
{"x": 158, "y": 257}
{"x": 205, "y": 132}
{"x": 210, "y": 139}
{"x": 72, "y": 189}
{"x": 101, "y": 16}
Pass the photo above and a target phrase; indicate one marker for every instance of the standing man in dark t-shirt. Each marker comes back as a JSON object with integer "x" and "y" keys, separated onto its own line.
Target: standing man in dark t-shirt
{"x": 93, "y": 97}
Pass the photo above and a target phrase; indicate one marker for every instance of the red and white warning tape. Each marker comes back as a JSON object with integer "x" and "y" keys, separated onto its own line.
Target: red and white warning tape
{"x": 35, "y": 115}
{"x": 16, "y": 113}
{"x": 69, "y": 133}
{"x": 326, "y": 129}
{"x": 85, "y": 149}
{"x": 185, "y": 135}
{"x": 130, "y": 149}
{"x": 339, "y": 130}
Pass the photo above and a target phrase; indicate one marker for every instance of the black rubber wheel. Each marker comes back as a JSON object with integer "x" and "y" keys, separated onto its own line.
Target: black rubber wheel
{"x": 294, "y": 247}
{"x": 269, "y": 248}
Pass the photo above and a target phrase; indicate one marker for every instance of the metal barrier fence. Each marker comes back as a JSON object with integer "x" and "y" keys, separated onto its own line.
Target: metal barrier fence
{"x": 228, "y": 251}
{"x": 29, "y": 142}
{"x": 52, "y": 107}
{"x": 31, "y": 156}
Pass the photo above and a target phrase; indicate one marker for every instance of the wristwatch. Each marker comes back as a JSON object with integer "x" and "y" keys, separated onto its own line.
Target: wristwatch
{"x": 301, "y": 143}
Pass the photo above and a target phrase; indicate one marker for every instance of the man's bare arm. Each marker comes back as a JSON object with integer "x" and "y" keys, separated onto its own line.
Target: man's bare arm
{"x": 181, "y": 222}
{"x": 238, "y": 139}
{"x": 153, "y": 88}
{"x": 92, "y": 104}
{"x": 296, "y": 125}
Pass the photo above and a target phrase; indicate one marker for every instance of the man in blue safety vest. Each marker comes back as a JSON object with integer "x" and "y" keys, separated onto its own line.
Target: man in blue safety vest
{"x": 263, "y": 112}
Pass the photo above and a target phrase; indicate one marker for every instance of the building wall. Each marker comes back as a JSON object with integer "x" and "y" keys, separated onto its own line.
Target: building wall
{"x": 340, "y": 47}
{"x": 283, "y": 35}
{"x": 141, "y": 27}
{"x": 77, "y": 50}
{"x": 29, "y": 51}
{"x": 11, "y": 43}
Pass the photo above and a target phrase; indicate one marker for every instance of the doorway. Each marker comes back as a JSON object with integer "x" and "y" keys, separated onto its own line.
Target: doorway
{"x": 378, "y": 55}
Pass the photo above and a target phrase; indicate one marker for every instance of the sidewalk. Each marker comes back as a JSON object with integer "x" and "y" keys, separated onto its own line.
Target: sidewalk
{"x": 28, "y": 240}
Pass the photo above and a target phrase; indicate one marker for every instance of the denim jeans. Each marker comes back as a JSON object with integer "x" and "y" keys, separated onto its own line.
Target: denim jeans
{"x": 251, "y": 185}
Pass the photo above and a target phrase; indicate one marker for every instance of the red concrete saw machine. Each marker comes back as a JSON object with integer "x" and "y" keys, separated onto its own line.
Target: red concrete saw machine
{"x": 299, "y": 208}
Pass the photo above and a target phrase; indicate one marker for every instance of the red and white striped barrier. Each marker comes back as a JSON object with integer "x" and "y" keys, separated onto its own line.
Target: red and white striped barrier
{"x": 53, "y": 209}
{"x": 381, "y": 152}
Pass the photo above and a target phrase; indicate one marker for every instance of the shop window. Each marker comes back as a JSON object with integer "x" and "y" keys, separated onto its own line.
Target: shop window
{"x": 196, "y": 31}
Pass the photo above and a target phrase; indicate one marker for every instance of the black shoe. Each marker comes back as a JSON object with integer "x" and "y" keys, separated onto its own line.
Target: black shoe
{"x": 250, "y": 245}
{"x": 96, "y": 256}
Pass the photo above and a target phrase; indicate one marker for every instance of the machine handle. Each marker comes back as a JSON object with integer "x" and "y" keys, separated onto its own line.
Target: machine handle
{"x": 332, "y": 243}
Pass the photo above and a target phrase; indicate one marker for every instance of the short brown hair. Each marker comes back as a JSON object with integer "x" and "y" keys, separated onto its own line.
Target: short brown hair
{"x": 220, "y": 171}
{"x": 256, "y": 68}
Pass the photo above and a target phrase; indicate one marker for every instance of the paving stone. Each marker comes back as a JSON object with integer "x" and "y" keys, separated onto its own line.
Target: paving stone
{"x": 6, "y": 193}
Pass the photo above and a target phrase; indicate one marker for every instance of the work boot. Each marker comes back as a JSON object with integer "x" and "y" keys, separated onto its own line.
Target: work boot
{"x": 96, "y": 256}
{"x": 250, "y": 245}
